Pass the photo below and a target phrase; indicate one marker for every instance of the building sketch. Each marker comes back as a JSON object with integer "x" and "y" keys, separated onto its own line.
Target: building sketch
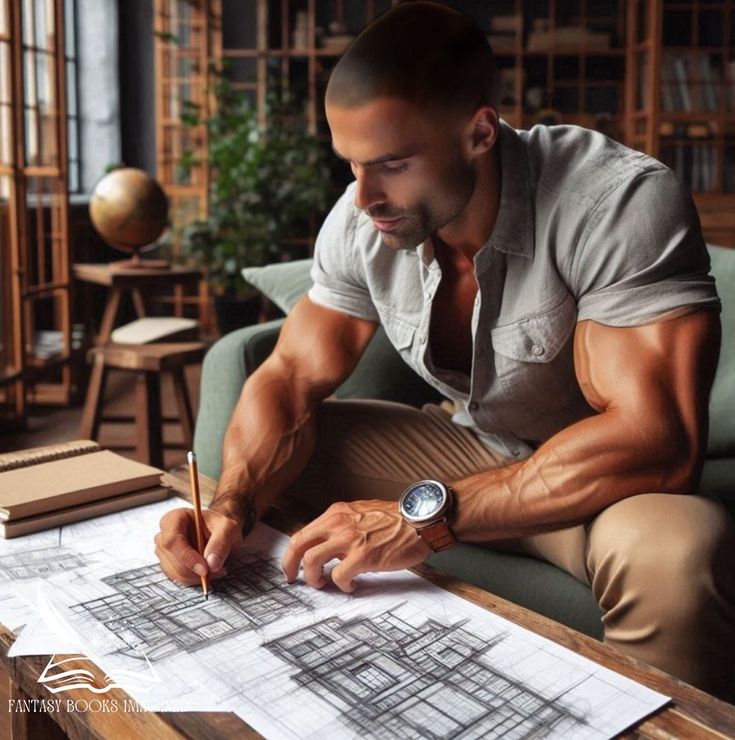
{"x": 391, "y": 679}
{"x": 151, "y": 615}
{"x": 38, "y": 563}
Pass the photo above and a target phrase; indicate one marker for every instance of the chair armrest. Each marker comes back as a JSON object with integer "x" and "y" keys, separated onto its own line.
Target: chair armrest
{"x": 226, "y": 367}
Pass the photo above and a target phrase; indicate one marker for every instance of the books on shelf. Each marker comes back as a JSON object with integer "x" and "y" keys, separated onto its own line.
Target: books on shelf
{"x": 48, "y": 486}
{"x": 690, "y": 83}
{"x": 691, "y": 154}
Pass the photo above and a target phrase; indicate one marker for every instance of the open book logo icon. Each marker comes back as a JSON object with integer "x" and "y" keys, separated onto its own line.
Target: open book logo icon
{"x": 79, "y": 672}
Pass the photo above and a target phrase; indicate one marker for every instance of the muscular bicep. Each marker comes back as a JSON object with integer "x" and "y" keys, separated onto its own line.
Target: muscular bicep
{"x": 653, "y": 380}
{"x": 318, "y": 348}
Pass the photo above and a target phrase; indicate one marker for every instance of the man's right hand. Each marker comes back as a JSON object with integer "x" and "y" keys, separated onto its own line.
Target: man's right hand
{"x": 176, "y": 544}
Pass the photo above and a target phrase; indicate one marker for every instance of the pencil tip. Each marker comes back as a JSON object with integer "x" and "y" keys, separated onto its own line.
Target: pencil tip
{"x": 206, "y": 596}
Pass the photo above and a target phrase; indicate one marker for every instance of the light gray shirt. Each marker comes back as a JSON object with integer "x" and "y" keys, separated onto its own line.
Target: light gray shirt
{"x": 587, "y": 229}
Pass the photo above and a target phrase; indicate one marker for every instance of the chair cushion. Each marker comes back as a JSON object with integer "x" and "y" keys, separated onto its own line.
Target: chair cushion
{"x": 722, "y": 401}
{"x": 156, "y": 329}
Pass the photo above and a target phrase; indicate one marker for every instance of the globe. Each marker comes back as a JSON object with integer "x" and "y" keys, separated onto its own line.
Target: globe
{"x": 129, "y": 210}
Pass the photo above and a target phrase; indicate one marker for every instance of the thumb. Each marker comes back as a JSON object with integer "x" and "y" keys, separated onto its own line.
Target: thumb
{"x": 224, "y": 533}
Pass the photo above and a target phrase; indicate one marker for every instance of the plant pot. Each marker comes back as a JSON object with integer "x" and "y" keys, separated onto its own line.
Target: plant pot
{"x": 234, "y": 312}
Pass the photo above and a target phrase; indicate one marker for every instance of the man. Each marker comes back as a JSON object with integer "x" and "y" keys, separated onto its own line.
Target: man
{"x": 553, "y": 286}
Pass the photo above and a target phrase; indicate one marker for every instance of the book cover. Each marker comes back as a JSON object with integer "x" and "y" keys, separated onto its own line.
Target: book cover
{"x": 48, "y": 486}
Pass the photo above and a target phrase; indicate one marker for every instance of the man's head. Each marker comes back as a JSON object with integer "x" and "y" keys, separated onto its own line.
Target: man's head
{"x": 421, "y": 52}
{"x": 411, "y": 106}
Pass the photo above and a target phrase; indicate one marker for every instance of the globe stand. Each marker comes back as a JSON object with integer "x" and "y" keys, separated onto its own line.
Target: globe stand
{"x": 136, "y": 262}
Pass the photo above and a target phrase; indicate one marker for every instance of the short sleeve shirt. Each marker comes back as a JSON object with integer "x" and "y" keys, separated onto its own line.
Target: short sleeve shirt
{"x": 586, "y": 229}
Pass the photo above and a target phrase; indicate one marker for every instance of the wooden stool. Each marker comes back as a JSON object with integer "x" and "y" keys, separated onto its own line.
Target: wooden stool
{"x": 148, "y": 361}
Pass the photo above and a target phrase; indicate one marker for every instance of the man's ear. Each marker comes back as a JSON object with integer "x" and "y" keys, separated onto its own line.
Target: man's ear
{"x": 482, "y": 130}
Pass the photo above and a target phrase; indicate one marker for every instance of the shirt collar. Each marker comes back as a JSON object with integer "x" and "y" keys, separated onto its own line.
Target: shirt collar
{"x": 514, "y": 229}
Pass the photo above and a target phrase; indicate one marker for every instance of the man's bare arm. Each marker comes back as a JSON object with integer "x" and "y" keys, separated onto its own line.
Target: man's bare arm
{"x": 272, "y": 422}
{"x": 270, "y": 436}
{"x": 650, "y": 385}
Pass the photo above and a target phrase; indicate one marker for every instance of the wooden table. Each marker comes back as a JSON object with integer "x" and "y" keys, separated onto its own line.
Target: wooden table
{"x": 692, "y": 714}
{"x": 136, "y": 281}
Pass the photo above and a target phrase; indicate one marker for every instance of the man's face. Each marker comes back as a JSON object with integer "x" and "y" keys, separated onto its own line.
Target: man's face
{"x": 412, "y": 175}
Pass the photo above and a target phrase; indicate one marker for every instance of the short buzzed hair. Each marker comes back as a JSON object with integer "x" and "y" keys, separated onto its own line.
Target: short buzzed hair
{"x": 424, "y": 52}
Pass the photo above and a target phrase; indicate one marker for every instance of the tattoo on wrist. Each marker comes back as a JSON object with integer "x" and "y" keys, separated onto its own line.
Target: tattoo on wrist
{"x": 239, "y": 506}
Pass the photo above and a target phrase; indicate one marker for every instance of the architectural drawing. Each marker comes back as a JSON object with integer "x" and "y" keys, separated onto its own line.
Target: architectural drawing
{"x": 151, "y": 615}
{"x": 399, "y": 658}
{"x": 390, "y": 679}
{"x": 39, "y": 563}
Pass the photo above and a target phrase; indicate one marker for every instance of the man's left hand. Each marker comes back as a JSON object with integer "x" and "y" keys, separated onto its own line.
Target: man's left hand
{"x": 367, "y": 536}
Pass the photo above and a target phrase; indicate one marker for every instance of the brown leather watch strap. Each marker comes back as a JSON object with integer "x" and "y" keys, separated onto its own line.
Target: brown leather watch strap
{"x": 437, "y": 536}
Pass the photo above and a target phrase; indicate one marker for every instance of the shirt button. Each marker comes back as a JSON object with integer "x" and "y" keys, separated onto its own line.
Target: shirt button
{"x": 422, "y": 339}
{"x": 473, "y": 406}
{"x": 477, "y": 300}
{"x": 537, "y": 350}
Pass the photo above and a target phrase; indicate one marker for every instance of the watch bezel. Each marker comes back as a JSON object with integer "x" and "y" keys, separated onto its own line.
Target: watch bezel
{"x": 431, "y": 518}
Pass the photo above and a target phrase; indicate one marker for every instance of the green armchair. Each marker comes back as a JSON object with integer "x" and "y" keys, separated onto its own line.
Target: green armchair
{"x": 382, "y": 374}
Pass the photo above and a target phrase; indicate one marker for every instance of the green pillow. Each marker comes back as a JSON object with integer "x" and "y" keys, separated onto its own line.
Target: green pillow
{"x": 284, "y": 283}
{"x": 722, "y": 401}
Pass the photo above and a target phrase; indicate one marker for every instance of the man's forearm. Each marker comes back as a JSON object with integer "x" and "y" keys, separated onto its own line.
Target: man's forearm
{"x": 267, "y": 444}
{"x": 577, "y": 473}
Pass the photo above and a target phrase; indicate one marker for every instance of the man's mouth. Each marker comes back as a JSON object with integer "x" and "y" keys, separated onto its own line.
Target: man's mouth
{"x": 386, "y": 224}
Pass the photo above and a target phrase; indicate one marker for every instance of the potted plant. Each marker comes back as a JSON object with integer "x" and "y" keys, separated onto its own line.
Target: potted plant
{"x": 267, "y": 180}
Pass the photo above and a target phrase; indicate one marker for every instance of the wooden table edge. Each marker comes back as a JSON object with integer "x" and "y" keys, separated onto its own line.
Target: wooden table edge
{"x": 691, "y": 712}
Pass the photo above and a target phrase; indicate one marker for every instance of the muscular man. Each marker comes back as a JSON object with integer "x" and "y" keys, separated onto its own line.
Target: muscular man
{"x": 553, "y": 286}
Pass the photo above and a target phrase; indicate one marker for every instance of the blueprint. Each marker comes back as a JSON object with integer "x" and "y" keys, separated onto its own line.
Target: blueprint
{"x": 399, "y": 658}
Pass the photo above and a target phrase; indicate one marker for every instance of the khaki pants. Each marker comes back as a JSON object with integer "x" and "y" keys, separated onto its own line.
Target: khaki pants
{"x": 660, "y": 566}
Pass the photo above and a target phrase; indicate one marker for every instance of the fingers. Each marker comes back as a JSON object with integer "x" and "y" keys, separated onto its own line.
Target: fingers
{"x": 327, "y": 537}
{"x": 175, "y": 545}
{"x": 179, "y": 559}
{"x": 317, "y": 557}
{"x": 299, "y": 543}
{"x": 343, "y": 575}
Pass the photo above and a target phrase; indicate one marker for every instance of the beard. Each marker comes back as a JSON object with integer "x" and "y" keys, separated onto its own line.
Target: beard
{"x": 432, "y": 212}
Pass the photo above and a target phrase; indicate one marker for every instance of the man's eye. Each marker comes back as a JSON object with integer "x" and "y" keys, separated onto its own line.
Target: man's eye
{"x": 394, "y": 167}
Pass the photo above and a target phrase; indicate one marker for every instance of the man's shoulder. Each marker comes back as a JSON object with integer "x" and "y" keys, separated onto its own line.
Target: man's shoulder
{"x": 581, "y": 165}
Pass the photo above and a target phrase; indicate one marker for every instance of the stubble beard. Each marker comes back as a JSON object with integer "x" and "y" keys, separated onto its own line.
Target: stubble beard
{"x": 432, "y": 213}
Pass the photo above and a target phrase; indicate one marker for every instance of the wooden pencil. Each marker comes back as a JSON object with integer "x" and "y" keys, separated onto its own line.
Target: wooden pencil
{"x": 198, "y": 521}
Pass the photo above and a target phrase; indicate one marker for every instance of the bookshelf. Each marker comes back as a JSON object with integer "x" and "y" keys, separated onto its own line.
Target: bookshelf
{"x": 680, "y": 99}
{"x": 559, "y": 60}
{"x": 35, "y": 311}
{"x": 610, "y": 65}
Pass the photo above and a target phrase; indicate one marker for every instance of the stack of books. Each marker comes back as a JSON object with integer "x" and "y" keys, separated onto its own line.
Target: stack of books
{"x": 49, "y": 486}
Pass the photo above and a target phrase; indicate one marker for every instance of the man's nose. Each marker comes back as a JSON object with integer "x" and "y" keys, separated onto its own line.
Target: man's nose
{"x": 368, "y": 192}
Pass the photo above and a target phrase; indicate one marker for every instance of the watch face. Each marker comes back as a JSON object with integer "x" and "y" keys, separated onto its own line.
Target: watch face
{"x": 423, "y": 500}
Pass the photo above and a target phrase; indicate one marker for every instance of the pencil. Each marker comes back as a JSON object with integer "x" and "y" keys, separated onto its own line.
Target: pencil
{"x": 198, "y": 521}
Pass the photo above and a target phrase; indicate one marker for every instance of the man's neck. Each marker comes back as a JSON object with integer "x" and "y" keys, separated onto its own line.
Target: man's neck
{"x": 469, "y": 232}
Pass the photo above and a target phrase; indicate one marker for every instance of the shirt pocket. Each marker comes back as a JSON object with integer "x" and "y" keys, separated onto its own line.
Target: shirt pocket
{"x": 534, "y": 359}
{"x": 401, "y": 335}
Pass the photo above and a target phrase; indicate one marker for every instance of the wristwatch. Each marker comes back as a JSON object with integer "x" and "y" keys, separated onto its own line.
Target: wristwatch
{"x": 426, "y": 506}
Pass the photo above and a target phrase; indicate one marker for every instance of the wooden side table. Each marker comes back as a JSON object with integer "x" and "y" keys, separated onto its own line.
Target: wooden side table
{"x": 135, "y": 281}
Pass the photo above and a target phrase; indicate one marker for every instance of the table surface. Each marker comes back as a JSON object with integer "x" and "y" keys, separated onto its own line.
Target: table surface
{"x": 108, "y": 274}
{"x": 691, "y": 714}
